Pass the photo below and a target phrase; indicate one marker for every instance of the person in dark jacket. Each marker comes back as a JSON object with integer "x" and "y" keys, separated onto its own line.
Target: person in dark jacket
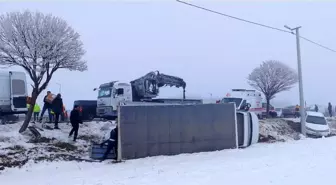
{"x": 316, "y": 108}
{"x": 75, "y": 120}
{"x": 330, "y": 109}
{"x": 57, "y": 107}
{"x": 111, "y": 143}
{"x": 46, "y": 106}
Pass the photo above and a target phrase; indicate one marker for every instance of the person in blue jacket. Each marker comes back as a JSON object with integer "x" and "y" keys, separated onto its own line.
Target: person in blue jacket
{"x": 111, "y": 143}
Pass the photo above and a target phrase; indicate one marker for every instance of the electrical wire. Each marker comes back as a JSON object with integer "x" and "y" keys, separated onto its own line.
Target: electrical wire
{"x": 325, "y": 47}
{"x": 255, "y": 23}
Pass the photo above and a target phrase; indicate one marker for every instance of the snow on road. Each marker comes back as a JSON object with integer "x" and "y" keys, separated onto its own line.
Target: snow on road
{"x": 308, "y": 161}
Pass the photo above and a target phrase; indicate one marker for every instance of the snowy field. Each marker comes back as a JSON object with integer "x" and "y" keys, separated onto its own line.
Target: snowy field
{"x": 52, "y": 160}
{"x": 308, "y": 161}
{"x": 17, "y": 149}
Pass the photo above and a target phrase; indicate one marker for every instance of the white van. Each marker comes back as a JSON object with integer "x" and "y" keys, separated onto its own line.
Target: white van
{"x": 242, "y": 97}
{"x": 316, "y": 124}
{"x": 13, "y": 93}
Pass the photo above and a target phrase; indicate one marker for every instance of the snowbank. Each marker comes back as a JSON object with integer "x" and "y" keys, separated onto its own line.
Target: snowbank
{"x": 272, "y": 130}
{"x": 17, "y": 149}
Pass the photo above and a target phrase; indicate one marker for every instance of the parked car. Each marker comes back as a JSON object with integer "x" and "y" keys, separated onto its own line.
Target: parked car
{"x": 316, "y": 124}
{"x": 279, "y": 112}
{"x": 288, "y": 111}
{"x": 87, "y": 108}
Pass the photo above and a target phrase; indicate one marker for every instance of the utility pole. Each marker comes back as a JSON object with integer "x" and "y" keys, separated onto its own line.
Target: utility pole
{"x": 302, "y": 102}
{"x": 60, "y": 88}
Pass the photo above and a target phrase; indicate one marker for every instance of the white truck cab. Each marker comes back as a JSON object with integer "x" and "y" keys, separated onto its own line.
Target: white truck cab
{"x": 109, "y": 97}
{"x": 247, "y": 128}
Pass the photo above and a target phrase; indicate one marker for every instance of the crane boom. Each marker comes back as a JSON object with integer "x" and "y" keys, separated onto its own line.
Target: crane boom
{"x": 147, "y": 87}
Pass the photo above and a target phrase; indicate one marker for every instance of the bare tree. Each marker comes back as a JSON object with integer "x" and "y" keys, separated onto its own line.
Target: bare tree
{"x": 40, "y": 44}
{"x": 272, "y": 77}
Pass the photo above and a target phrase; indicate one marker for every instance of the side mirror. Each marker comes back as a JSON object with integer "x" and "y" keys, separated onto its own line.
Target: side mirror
{"x": 248, "y": 106}
{"x": 94, "y": 89}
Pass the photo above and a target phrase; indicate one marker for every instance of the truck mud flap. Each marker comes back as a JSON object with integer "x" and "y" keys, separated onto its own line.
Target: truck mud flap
{"x": 96, "y": 152}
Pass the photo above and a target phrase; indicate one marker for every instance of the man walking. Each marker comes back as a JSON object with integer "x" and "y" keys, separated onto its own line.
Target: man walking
{"x": 75, "y": 120}
{"x": 111, "y": 143}
{"x": 57, "y": 107}
{"x": 47, "y": 106}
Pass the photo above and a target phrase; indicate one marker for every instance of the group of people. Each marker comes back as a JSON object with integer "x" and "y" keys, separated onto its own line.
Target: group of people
{"x": 330, "y": 111}
{"x": 55, "y": 108}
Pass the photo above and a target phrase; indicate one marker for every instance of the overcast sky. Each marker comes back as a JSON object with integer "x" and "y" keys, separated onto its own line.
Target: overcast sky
{"x": 212, "y": 53}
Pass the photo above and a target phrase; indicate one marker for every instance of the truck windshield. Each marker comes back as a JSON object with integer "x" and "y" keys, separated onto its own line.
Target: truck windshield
{"x": 232, "y": 100}
{"x": 104, "y": 92}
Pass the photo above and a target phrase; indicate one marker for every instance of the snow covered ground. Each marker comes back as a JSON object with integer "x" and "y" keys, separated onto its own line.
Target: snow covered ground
{"x": 277, "y": 163}
{"x": 17, "y": 149}
{"x": 54, "y": 145}
{"x": 308, "y": 161}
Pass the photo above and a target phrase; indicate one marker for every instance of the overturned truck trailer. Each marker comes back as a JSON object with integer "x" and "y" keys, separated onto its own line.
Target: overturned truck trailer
{"x": 143, "y": 90}
{"x": 152, "y": 130}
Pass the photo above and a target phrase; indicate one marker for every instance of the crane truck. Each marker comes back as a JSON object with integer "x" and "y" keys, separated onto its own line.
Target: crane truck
{"x": 143, "y": 90}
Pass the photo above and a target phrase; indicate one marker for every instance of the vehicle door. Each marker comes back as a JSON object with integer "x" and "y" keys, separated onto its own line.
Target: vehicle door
{"x": 18, "y": 93}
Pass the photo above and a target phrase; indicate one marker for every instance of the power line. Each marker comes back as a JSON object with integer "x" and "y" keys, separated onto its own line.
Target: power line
{"x": 233, "y": 17}
{"x": 255, "y": 23}
{"x": 325, "y": 47}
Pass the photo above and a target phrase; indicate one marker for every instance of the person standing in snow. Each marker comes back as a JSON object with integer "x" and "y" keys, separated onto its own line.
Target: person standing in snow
{"x": 75, "y": 120}
{"x": 57, "y": 107}
{"x": 297, "y": 111}
{"x": 316, "y": 108}
{"x": 330, "y": 109}
{"x": 36, "y": 111}
{"x": 46, "y": 106}
{"x": 111, "y": 143}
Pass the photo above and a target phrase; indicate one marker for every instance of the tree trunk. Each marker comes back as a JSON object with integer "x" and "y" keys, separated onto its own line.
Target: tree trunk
{"x": 30, "y": 112}
{"x": 267, "y": 107}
